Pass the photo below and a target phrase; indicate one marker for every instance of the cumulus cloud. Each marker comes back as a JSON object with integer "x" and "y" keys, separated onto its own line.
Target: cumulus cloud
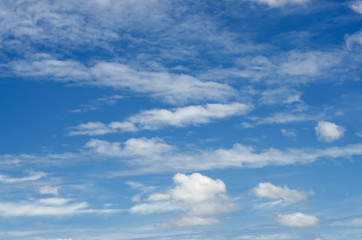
{"x": 356, "y": 6}
{"x": 158, "y": 118}
{"x": 201, "y": 198}
{"x": 298, "y": 220}
{"x": 268, "y": 190}
{"x": 154, "y": 155}
{"x": 281, "y": 3}
{"x": 328, "y": 131}
{"x": 48, "y": 190}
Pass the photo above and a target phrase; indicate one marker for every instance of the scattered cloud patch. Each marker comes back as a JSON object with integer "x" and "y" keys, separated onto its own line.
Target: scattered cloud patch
{"x": 158, "y": 118}
{"x": 281, "y": 3}
{"x": 289, "y": 132}
{"x": 279, "y": 118}
{"x": 154, "y": 155}
{"x": 172, "y": 88}
{"x": 328, "y": 131}
{"x": 201, "y": 198}
{"x": 49, "y": 190}
{"x": 283, "y": 95}
{"x": 268, "y": 190}
{"x": 298, "y": 220}
{"x": 356, "y": 6}
{"x": 266, "y": 237}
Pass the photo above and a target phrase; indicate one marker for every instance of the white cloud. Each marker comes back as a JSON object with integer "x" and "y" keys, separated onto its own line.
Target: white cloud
{"x": 173, "y": 88}
{"x": 49, "y": 190}
{"x": 266, "y": 237}
{"x": 278, "y": 118}
{"x": 154, "y": 155}
{"x": 281, "y": 3}
{"x": 353, "y": 40}
{"x": 328, "y": 131}
{"x": 357, "y": 6}
{"x": 35, "y": 176}
{"x": 39, "y": 208}
{"x": 158, "y": 118}
{"x": 298, "y": 220}
{"x": 201, "y": 197}
{"x": 289, "y": 132}
{"x": 280, "y": 95}
{"x": 268, "y": 190}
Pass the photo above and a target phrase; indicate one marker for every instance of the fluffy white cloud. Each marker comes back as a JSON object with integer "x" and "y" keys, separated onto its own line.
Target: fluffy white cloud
{"x": 281, "y": 3}
{"x": 268, "y": 190}
{"x": 357, "y": 6}
{"x": 201, "y": 197}
{"x": 49, "y": 190}
{"x": 154, "y": 155}
{"x": 158, "y": 118}
{"x": 298, "y": 220}
{"x": 328, "y": 131}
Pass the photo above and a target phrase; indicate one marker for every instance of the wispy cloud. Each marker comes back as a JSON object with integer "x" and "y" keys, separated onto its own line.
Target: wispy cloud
{"x": 281, "y": 3}
{"x": 33, "y": 177}
{"x": 170, "y": 87}
{"x": 154, "y": 155}
{"x": 160, "y": 118}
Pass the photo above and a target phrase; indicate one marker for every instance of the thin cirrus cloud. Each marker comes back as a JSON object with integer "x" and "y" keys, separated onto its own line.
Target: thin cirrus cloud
{"x": 202, "y": 199}
{"x": 297, "y": 220}
{"x": 281, "y": 3}
{"x": 35, "y": 176}
{"x": 268, "y": 190}
{"x": 328, "y": 131}
{"x": 158, "y": 118}
{"x": 154, "y": 155}
{"x": 172, "y": 88}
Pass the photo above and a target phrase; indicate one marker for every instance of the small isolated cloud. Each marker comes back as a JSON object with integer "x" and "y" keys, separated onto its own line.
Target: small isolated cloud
{"x": 281, "y": 3}
{"x": 48, "y": 190}
{"x": 289, "y": 132}
{"x": 159, "y": 118}
{"x": 280, "y": 95}
{"x": 328, "y": 131}
{"x": 298, "y": 220}
{"x": 201, "y": 198}
{"x": 356, "y": 6}
{"x": 268, "y": 190}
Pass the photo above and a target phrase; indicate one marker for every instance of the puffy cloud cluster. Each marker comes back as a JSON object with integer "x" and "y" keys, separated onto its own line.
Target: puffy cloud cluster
{"x": 328, "y": 131}
{"x": 268, "y": 190}
{"x": 201, "y": 198}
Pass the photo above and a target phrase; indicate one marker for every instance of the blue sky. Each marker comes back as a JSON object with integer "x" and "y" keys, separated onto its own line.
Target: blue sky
{"x": 158, "y": 119}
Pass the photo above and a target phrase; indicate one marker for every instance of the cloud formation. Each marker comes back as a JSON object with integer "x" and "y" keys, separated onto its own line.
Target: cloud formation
{"x": 268, "y": 190}
{"x": 328, "y": 131}
{"x": 158, "y": 118}
{"x": 171, "y": 87}
{"x": 298, "y": 220}
{"x": 154, "y": 155}
{"x": 281, "y": 3}
{"x": 202, "y": 198}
